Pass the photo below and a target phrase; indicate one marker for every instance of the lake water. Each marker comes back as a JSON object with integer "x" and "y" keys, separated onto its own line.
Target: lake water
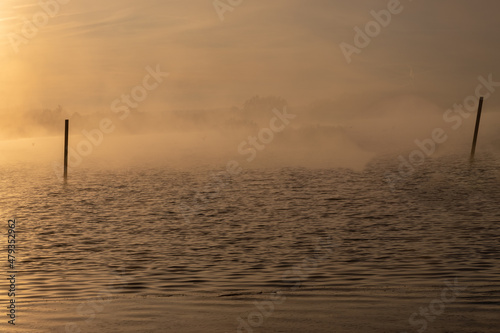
{"x": 263, "y": 230}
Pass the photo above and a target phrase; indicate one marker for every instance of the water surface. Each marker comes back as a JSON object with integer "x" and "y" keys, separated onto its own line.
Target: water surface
{"x": 130, "y": 229}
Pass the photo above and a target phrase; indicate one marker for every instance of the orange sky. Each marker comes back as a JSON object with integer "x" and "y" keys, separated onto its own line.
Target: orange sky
{"x": 93, "y": 51}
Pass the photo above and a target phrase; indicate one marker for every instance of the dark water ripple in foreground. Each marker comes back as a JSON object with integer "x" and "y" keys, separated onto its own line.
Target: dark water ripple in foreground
{"x": 439, "y": 222}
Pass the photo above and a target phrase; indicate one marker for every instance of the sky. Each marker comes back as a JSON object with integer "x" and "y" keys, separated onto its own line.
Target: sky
{"x": 86, "y": 54}
{"x": 92, "y": 51}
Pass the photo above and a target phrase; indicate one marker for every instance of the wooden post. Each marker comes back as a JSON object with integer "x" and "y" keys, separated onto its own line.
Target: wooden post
{"x": 66, "y": 132}
{"x": 476, "y": 131}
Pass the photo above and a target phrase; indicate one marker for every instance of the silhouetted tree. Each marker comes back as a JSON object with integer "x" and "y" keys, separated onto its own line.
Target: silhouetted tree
{"x": 259, "y": 104}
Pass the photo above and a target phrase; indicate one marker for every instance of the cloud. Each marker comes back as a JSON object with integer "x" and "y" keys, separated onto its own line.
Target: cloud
{"x": 94, "y": 51}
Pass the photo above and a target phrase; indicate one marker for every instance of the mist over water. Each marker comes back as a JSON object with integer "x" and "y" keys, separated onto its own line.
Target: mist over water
{"x": 153, "y": 199}
{"x": 324, "y": 134}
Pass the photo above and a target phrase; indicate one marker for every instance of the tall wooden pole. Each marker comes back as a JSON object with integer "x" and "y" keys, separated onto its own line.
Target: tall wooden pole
{"x": 66, "y": 132}
{"x": 476, "y": 131}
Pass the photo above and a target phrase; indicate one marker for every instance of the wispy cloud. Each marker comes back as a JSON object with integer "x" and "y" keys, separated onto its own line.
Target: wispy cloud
{"x": 92, "y": 50}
